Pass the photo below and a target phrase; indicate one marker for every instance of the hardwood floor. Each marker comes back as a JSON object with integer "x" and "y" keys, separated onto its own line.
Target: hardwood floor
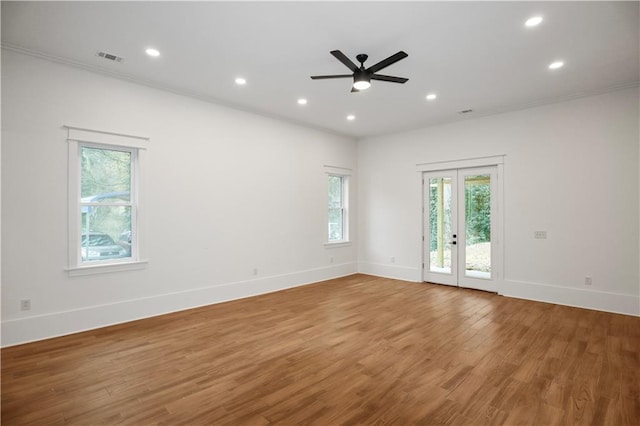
{"x": 355, "y": 350}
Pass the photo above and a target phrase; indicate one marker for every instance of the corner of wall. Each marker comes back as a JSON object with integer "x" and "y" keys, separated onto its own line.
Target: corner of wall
{"x": 396, "y": 272}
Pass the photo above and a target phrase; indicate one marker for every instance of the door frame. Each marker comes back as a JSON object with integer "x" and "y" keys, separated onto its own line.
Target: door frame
{"x": 498, "y": 162}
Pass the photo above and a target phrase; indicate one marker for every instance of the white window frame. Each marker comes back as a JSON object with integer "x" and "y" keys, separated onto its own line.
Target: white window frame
{"x": 136, "y": 145}
{"x": 344, "y": 174}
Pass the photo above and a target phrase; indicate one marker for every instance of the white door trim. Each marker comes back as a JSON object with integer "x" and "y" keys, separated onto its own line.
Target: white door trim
{"x": 460, "y": 164}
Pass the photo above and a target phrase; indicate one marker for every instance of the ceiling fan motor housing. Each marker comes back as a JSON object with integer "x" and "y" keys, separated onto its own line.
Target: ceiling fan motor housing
{"x": 362, "y": 58}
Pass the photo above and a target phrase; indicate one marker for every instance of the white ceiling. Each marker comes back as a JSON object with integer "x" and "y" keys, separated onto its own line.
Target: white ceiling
{"x": 473, "y": 55}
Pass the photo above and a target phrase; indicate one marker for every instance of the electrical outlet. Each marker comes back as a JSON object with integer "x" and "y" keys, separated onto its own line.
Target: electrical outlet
{"x": 588, "y": 281}
{"x": 393, "y": 260}
{"x": 255, "y": 271}
{"x": 540, "y": 235}
{"x": 25, "y": 305}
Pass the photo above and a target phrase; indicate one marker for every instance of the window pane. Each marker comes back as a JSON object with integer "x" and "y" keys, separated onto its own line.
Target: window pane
{"x": 335, "y": 191}
{"x": 106, "y": 232}
{"x": 105, "y": 175}
{"x": 440, "y": 225}
{"x": 336, "y": 232}
{"x": 477, "y": 195}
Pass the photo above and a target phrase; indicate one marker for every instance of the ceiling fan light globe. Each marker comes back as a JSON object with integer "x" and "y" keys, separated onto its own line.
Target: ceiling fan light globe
{"x": 361, "y": 85}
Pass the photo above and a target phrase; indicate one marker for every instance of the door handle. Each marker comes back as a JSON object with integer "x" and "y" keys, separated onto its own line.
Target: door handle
{"x": 453, "y": 242}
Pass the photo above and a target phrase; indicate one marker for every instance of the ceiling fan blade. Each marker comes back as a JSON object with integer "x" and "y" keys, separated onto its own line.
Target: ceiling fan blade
{"x": 320, "y": 77}
{"x": 343, "y": 58}
{"x": 389, "y": 78}
{"x": 386, "y": 62}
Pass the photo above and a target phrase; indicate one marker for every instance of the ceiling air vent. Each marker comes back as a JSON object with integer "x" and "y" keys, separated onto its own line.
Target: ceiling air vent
{"x": 465, "y": 111}
{"x": 109, "y": 56}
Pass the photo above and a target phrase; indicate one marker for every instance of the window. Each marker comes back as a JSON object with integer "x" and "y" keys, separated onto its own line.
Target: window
{"x": 104, "y": 211}
{"x": 337, "y": 209}
{"x": 107, "y": 207}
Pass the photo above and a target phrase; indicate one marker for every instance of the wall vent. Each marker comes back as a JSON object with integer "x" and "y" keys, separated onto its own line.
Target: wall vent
{"x": 109, "y": 56}
{"x": 465, "y": 111}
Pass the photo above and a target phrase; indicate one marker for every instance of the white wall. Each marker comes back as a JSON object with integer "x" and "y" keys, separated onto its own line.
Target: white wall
{"x": 571, "y": 169}
{"x": 226, "y": 192}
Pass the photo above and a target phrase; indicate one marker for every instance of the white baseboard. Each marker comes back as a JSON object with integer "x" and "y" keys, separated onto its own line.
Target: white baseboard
{"x": 404, "y": 273}
{"x": 30, "y": 329}
{"x": 627, "y": 304}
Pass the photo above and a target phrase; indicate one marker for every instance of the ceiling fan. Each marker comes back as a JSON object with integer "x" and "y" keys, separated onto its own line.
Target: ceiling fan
{"x": 362, "y": 76}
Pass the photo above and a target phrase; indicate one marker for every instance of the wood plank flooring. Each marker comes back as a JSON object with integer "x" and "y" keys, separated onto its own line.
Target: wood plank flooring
{"x": 355, "y": 350}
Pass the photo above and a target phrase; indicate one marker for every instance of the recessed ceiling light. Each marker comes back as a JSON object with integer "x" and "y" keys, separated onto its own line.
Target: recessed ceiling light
{"x": 241, "y": 81}
{"x": 302, "y": 101}
{"x": 152, "y": 52}
{"x": 431, "y": 96}
{"x": 351, "y": 117}
{"x": 555, "y": 65}
{"x": 533, "y": 21}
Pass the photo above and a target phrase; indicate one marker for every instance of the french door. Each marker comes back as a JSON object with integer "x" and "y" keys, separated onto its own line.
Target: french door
{"x": 460, "y": 227}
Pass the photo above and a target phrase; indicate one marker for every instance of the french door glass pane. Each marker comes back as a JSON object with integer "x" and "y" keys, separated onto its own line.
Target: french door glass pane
{"x": 440, "y": 224}
{"x": 477, "y": 195}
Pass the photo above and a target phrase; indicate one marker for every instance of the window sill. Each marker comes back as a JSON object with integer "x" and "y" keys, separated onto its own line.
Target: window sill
{"x": 103, "y": 269}
{"x": 337, "y": 244}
